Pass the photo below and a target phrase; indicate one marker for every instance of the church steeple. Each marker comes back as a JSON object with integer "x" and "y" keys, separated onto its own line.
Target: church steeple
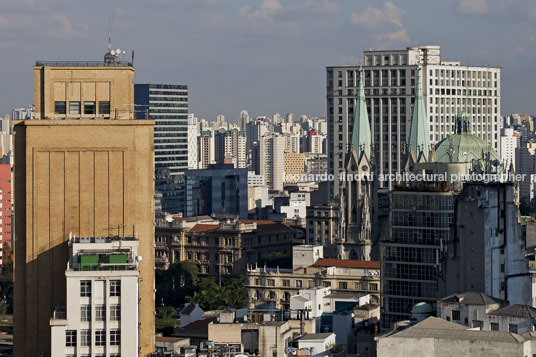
{"x": 419, "y": 135}
{"x": 361, "y": 137}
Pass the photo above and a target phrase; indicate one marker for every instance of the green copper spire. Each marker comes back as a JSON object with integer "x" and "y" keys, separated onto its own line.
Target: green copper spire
{"x": 419, "y": 135}
{"x": 361, "y": 137}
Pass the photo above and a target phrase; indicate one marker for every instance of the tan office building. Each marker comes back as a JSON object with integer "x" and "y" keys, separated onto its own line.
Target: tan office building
{"x": 82, "y": 166}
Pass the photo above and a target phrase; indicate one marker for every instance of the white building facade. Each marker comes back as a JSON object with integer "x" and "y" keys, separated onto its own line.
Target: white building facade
{"x": 102, "y": 313}
{"x": 448, "y": 88}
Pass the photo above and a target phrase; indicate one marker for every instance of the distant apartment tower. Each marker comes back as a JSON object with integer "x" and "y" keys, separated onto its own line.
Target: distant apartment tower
{"x": 230, "y": 146}
{"x": 509, "y": 144}
{"x": 272, "y": 163}
{"x": 101, "y": 315}
{"x": 5, "y": 209}
{"x": 167, "y": 105}
{"x": 205, "y": 149}
{"x": 192, "y": 142}
{"x": 448, "y": 88}
{"x": 83, "y": 165}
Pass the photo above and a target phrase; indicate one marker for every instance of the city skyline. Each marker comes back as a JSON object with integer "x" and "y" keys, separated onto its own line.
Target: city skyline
{"x": 263, "y": 56}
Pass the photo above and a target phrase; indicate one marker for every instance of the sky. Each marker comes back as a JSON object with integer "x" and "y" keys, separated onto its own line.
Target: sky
{"x": 264, "y": 56}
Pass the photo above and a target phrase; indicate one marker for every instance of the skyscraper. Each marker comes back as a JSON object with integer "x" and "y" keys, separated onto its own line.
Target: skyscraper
{"x": 272, "y": 165}
{"x": 167, "y": 105}
{"x": 83, "y": 166}
{"x": 390, "y": 80}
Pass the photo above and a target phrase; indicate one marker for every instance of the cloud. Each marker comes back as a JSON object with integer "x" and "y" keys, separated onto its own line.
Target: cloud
{"x": 264, "y": 12}
{"x": 384, "y": 22}
{"x": 473, "y": 7}
{"x": 28, "y": 21}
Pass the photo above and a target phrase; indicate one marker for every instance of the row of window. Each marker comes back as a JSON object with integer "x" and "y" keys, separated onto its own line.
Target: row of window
{"x": 85, "y": 338}
{"x": 343, "y": 285}
{"x": 86, "y": 107}
{"x": 85, "y": 288}
{"x": 100, "y": 313}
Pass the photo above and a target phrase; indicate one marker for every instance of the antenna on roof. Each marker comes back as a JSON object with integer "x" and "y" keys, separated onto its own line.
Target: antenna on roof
{"x": 109, "y": 33}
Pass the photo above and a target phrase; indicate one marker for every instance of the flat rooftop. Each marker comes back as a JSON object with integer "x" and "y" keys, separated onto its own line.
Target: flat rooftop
{"x": 82, "y": 64}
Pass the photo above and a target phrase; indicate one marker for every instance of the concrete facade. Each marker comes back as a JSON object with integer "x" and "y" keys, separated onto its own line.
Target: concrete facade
{"x": 88, "y": 177}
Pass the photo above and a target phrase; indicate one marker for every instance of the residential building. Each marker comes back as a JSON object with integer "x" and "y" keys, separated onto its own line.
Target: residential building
{"x": 219, "y": 189}
{"x": 219, "y": 247}
{"x": 102, "y": 314}
{"x": 193, "y": 154}
{"x": 526, "y": 165}
{"x": 390, "y": 81}
{"x": 509, "y": 144}
{"x": 6, "y": 210}
{"x": 205, "y": 148}
{"x": 88, "y": 177}
{"x": 310, "y": 270}
{"x": 272, "y": 149}
{"x": 479, "y": 310}
{"x": 230, "y": 144}
{"x": 294, "y": 166}
{"x": 267, "y": 338}
{"x": 316, "y": 343}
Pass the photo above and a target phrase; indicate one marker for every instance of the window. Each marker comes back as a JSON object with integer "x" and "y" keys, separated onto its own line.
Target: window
{"x": 85, "y": 338}
{"x": 494, "y": 326}
{"x": 286, "y": 283}
{"x": 85, "y": 313}
{"x": 271, "y": 282}
{"x": 104, "y": 107}
{"x": 85, "y": 288}
{"x": 100, "y": 338}
{"x": 512, "y": 328}
{"x": 343, "y": 285}
{"x": 115, "y": 313}
{"x": 89, "y": 107}
{"x": 100, "y": 313}
{"x": 373, "y": 287}
{"x": 455, "y": 315}
{"x": 298, "y": 283}
{"x": 59, "y": 108}
{"x": 74, "y": 107}
{"x": 326, "y": 284}
{"x": 70, "y": 338}
{"x": 115, "y": 287}
{"x": 115, "y": 337}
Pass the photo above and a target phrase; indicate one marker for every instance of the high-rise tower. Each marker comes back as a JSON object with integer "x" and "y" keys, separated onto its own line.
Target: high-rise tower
{"x": 83, "y": 166}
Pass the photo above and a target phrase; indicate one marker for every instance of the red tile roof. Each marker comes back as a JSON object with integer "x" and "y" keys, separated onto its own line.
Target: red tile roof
{"x": 340, "y": 263}
{"x": 268, "y": 226}
{"x": 200, "y": 227}
{"x": 199, "y": 325}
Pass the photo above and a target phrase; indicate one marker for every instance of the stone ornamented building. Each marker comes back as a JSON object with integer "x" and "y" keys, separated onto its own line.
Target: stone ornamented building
{"x": 224, "y": 246}
{"x": 310, "y": 270}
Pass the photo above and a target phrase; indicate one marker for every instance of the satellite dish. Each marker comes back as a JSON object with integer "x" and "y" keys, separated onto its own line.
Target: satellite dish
{"x": 112, "y": 52}
{"x": 118, "y": 51}
{"x": 124, "y": 52}
{"x": 496, "y": 162}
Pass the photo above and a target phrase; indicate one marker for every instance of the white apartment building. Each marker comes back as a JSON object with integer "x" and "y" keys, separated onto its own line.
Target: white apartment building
{"x": 192, "y": 142}
{"x": 205, "y": 149}
{"x": 102, "y": 312}
{"x": 509, "y": 143}
{"x": 293, "y": 142}
{"x": 390, "y": 75}
{"x": 272, "y": 163}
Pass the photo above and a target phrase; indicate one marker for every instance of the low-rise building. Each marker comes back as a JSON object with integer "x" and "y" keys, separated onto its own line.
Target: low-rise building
{"x": 440, "y": 338}
{"x": 220, "y": 246}
{"x": 477, "y": 310}
{"x": 316, "y": 343}
{"x": 311, "y": 270}
{"x": 102, "y": 312}
{"x": 266, "y": 338}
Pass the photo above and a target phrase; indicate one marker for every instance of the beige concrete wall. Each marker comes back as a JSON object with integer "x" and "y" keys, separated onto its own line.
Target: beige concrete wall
{"x": 411, "y": 347}
{"x": 104, "y": 83}
{"x": 82, "y": 177}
